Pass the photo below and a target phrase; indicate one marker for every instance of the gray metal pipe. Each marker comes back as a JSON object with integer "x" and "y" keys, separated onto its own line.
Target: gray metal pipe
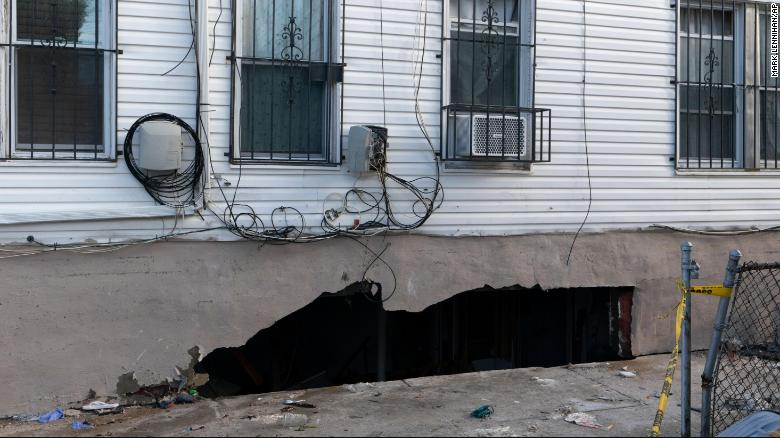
{"x": 712, "y": 355}
{"x": 685, "y": 366}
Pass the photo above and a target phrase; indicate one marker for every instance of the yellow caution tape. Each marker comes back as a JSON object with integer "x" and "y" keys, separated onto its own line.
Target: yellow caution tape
{"x": 713, "y": 291}
{"x": 670, "y": 368}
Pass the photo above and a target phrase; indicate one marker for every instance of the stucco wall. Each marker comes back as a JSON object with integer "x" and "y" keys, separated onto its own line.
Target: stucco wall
{"x": 71, "y": 322}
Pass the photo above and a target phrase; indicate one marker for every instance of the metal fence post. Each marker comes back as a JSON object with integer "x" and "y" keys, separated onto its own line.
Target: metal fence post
{"x": 689, "y": 270}
{"x": 712, "y": 354}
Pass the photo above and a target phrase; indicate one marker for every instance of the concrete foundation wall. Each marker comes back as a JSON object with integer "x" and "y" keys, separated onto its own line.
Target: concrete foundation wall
{"x": 73, "y": 322}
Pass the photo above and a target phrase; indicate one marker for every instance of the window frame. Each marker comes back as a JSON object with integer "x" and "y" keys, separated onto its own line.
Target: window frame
{"x": 539, "y": 119}
{"x": 748, "y": 61}
{"x": 331, "y": 155}
{"x": 106, "y": 46}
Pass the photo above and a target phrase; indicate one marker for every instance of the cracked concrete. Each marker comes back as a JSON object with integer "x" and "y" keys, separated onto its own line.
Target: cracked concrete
{"x": 74, "y": 322}
{"x": 526, "y": 402}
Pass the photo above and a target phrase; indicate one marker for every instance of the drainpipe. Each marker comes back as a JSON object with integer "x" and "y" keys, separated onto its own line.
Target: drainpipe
{"x": 712, "y": 354}
{"x": 202, "y": 48}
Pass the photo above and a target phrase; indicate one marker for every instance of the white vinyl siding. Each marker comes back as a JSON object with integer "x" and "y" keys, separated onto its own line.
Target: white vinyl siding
{"x": 630, "y": 120}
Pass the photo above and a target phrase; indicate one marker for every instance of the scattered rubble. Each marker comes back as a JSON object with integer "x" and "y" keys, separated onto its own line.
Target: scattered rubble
{"x": 482, "y": 412}
{"x": 81, "y": 425}
{"x": 544, "y": 382}
{"x": 286, "y": 419}
{"x": 494, "y": 432}
{"x": 584, "y": 420}
{"x": 73, "y": 413}
{"x": 359, "y": 387}
{"x": 299, "y": 404}
{"x": 99, "y": 406}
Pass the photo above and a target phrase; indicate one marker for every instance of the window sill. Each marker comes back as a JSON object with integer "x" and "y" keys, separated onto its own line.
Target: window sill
{"x": 728, "y": 172}
{"x": 12, "y": 162}
{"x": 31, "y": 217}
{"x": 319, "y": 167}
{"x": 487, "y": 167}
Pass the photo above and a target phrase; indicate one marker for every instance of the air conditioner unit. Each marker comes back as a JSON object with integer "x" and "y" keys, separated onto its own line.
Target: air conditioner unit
{"x": 367, "y": 149}
{"x": 496, "y": 135}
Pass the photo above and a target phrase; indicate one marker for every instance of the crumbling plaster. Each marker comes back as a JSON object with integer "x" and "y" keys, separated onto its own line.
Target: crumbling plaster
{"x": 73, "y": 322}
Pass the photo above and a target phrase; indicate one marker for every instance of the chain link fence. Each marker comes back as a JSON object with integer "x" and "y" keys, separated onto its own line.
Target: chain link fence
{"x": 747, "y": 377}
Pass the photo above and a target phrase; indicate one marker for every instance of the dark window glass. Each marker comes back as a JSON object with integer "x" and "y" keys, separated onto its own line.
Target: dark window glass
{"x": 282, "y": 111}
{"x": 707, "y": 89}
{"x": 59, "y": 99}
{"x": 63, "y": 21}
{"x": 769, "y": 103}
{"x": 285, "y": 80}
{"x": 487, "y": 75}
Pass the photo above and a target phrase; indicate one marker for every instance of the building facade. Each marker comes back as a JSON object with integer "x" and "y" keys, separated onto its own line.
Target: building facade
{"x": 589, "y": 120}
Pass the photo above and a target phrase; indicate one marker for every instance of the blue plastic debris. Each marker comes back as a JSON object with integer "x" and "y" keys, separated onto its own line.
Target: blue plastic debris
{"x": 482, "y": 412}
{"x": 51, "y": 416}
{"x": 80, "y": 425}
{"x": 184, "y": 398}
{"x": 760, "y": 424}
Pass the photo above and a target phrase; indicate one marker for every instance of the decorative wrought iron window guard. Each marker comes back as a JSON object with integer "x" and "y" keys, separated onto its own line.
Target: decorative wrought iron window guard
{"x": 488, "y": 84}
{"x": 60, "y": 95}
{"x": 729, "y": 109}
{"x": 284, "y": 88}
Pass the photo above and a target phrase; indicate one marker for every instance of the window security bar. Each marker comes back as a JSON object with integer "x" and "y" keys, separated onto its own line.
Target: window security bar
{"x": 488, "y": 84}
{"x": 728, "y": 101}
{"x": 59, "y": 95}
{"x": 285, "y": 76}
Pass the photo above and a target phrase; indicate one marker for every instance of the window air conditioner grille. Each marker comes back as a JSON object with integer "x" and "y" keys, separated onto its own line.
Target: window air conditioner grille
{"x": 491, "y": 134}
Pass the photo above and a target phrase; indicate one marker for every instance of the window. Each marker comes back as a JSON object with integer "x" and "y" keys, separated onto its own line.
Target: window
{"x": 61, "y": 89}
{"x": 728, "y": 108}
{"x": 286, "y": 81}
{"x": 488, "y": 114}
{"x": 768, "y": 105}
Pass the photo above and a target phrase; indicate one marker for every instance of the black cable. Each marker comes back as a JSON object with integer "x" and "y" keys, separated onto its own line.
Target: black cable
{"x": 584, "y": 128}
{"x": 214, "y": 45}
{"x": 186, "y": 55}
{"x": 175, "y": 188}
{"x": 241, "y": 219}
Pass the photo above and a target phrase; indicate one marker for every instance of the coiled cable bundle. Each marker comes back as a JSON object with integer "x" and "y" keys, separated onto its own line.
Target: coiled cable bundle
{"x": 177, "y": 188}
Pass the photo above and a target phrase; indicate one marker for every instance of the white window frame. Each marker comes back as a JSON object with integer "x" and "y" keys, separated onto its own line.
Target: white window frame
{"x": 738, "y": 40}
{"x": 106, "y": 43}
{"x": 525, "y": 87}
{"x": 332, "y": 142}
{"x": 748, "y": 61}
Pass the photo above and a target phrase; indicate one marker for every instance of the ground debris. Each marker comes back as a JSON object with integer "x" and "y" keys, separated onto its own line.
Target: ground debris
{"x": 98, "y": 405}
{"x": 73, "y": 413}
{"x": 494, "y": 431}
{"x": 544, "y": 382}
{"x": 299, "y": 404}
{"x": 583, "y": 419}
{"x": 586, "y": 366}
{"x": 482, "y": 412}
{"x": 284, "y": 420}
{"x": 359, "y": 387}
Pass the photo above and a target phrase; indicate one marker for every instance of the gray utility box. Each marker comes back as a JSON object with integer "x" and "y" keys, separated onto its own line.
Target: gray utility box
{"x": 367, "y": 149}
{"x": 159, "y": 146}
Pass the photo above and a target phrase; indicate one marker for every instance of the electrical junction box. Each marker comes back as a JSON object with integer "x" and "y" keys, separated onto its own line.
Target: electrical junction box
{"x": 159, "y": 146}
{"x": 367, "y": 149}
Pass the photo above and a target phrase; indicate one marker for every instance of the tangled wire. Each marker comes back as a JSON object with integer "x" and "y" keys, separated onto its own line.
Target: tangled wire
{"x": 175, "y": 188}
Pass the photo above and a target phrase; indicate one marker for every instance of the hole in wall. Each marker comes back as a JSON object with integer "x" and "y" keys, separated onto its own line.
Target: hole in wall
{"x": 347, "y": 337}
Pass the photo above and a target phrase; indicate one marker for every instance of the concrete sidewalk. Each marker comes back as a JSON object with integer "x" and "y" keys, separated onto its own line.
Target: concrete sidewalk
{"x": 526, "y": 402}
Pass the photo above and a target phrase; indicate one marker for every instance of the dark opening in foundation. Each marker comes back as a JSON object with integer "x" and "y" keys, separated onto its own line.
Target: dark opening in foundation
{"x": 347, "y": 337}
